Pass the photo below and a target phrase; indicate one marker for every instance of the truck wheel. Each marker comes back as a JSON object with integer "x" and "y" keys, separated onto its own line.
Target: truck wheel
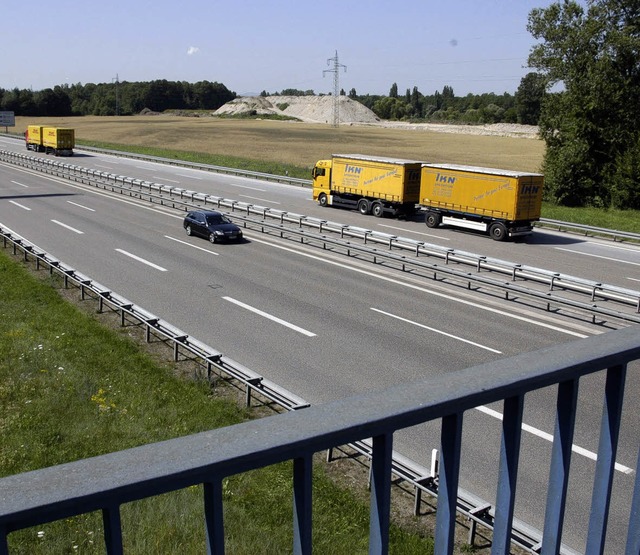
{"x": 323, "y": 200}
{"x": 498, "y": 232}
{"x": 377, "y": 210}
{"x": 432, "y": 219}
{"x": 363, "y": 206}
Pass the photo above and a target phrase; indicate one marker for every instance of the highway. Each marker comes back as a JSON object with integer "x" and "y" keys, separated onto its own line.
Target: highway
{"x": 325, "y": 326}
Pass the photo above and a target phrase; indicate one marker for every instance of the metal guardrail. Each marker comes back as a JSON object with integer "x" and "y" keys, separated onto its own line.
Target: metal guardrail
{"x": 107, "y": 482}
{"x": 588, "y": 230}
{"x": 474, "y": 508}
{"x": 516, "y": 272}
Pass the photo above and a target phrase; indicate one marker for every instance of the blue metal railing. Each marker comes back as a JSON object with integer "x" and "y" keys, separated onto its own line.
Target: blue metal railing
{"x": 106, "y": 482}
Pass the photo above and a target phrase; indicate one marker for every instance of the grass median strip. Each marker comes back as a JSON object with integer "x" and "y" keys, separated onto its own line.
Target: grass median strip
{"x": 71, "y": 387}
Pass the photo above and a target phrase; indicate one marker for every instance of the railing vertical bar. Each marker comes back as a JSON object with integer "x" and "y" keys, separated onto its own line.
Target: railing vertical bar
{"x": 450, "y": 441}
{"x": 4, "y": 544}
{"x": 560, "y": 462}
{"x": 507, "y": 473}
{"x": 609, "y": 429}
{"x": 302, "y": 514}
{"x": 213, "y": 517}
{"x": 112, "y": 530}
{"x": 381, "y": 462}
{"x": 633, "y": 536}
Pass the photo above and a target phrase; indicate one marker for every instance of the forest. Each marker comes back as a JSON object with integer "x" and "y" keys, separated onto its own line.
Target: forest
{"x": 116, "y": 98}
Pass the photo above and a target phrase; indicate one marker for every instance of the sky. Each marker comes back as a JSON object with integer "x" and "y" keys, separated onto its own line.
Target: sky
{"x": 473, "y": 46}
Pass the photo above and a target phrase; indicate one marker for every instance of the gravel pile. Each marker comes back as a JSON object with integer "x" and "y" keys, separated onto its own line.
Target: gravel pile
{"x": 319, "y": 109}
{"x": 309, "y": 109}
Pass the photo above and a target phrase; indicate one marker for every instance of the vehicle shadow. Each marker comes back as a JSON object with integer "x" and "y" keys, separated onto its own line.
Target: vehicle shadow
{"x": 47, "y": 195}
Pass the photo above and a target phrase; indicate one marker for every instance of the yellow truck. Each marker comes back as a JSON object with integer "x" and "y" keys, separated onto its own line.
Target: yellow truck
{"x": 59, "y": 141}
{"x": 502, "y": 203}
{"x": 369, "y": 184}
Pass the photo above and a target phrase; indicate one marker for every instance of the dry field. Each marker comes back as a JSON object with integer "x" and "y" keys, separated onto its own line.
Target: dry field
{"x": 300, "y": 144}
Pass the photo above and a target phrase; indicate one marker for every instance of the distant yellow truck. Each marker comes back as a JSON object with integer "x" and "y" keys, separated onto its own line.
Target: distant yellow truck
{"x": 59, "y": 141}
{"x": 502, "y": 203}
{"x": 369, "y": 184}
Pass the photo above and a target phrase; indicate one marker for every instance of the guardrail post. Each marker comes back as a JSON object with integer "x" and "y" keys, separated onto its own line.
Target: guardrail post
{"x": 4, "y": 545}
{"x": 381, "y": 464}
{"x": 302, "y": 512}
{"x": 123, "y": 310}
{"x": 150, "y": 323}
{"x": 560, "y": 462}
{"x": 451, "y": 441}
{"x": 213, "y": 515}
{"x": 507, "y": 473}
{"x": 609, "y": 429}
{"x": 112, "y": 530}
{"x": 633, "y": 536}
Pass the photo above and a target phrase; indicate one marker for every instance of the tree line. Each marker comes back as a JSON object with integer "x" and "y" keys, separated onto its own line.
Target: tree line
{"x": 117, "y": 98}
{"x": 444, "y": 106}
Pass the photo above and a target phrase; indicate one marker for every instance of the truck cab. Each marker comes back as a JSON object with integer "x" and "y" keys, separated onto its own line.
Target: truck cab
{"x": 321, "y": 174}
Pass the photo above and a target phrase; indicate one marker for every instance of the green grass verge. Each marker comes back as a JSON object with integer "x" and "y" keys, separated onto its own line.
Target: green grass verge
{"x": 72, "y": 387}
{"x": 274, "y": 168}
{"x": 620, "y": 220}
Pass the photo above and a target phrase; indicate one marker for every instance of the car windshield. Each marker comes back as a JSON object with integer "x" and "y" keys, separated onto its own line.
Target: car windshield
{"x": 218, "y": 219}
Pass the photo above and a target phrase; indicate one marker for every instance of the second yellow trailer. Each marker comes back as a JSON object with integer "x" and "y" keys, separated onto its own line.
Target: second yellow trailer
{"x": 502, "y": 203}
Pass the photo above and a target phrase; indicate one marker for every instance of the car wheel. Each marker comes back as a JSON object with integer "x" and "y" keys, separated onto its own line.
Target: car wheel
{"x": 212, "y": 238}
{"x": 188, "y": 230}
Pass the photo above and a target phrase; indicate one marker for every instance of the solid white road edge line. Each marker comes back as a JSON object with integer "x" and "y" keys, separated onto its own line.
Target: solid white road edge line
{"x": 270, "y": 317}
{"x": 437, "y": 331}
{"x": 544, "y": 435}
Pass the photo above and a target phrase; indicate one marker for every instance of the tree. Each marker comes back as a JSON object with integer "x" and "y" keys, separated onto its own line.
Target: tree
{"x": 393, "y": 92}
{"x": 529, "y": 98}
{"x": 592, "y": 126}
{"x": 448, "y": 97}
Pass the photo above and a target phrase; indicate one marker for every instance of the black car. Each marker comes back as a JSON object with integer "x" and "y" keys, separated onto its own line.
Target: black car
{"x": 211, "y": 225}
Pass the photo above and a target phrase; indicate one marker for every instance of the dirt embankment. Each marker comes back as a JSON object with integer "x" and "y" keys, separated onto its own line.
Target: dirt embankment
{"x": 320, "y": 109}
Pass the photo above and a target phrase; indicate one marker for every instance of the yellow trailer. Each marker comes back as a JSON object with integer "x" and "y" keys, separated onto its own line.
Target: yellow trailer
{"x": 51, "y": 140}
{"x": 370, "y": 184}
{"x": 58, "y": 140}
{"x": 502, "y": 203}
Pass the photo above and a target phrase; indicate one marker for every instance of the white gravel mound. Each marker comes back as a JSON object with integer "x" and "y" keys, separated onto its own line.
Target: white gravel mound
{"x": 309, "y": 109}
{"x": 319, "y": 109}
